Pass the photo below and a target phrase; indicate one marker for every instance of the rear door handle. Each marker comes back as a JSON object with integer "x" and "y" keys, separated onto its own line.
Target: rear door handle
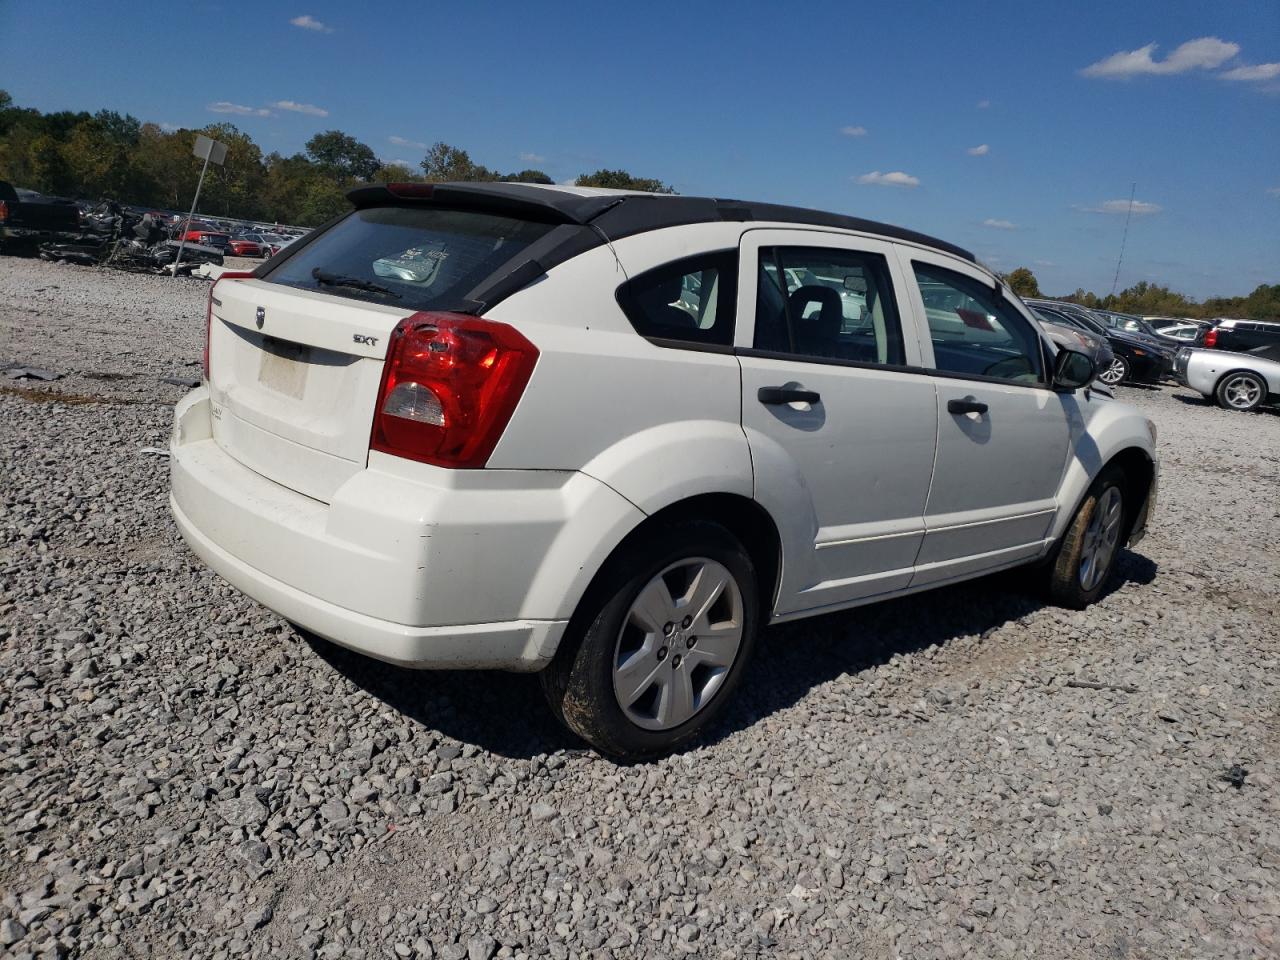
{"x": 967, "y": 405}
{"x": 772, "y": 396}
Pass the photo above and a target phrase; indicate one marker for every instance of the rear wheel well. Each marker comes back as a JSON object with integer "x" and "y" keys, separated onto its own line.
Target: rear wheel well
{"x": 744, "y": 518}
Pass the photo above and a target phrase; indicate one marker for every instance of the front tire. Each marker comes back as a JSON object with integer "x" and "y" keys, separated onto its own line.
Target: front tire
{"x": 660, "y": 643}
{"x": 1117, "y": 373}
{"x": 1086, "y": 557}
{"x": 1240, "y": 390}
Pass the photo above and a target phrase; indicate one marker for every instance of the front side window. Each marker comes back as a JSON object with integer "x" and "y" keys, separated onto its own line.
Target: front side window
{"x": 827, "y": 303}
{"x": 690, "y": 300}
{"x": 974, "y": 332}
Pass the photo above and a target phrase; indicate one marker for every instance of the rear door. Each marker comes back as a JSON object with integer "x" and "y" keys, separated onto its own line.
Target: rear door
{"x": 296, "y": 357}
{"x": 1003, "y": 434}
{"x": 841, "y": 429}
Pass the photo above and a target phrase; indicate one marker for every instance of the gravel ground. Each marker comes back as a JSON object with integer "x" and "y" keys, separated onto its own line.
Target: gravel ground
{"x": 967, "y": 773}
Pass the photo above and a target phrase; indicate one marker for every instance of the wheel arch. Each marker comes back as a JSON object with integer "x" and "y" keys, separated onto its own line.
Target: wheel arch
{"x": 1139, "y": 472}
{"x": 1117, "y": 435}
{"x": 745, "y": 519}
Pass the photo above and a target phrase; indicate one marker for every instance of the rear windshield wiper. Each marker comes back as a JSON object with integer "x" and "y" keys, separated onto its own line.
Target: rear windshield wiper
{"x": 336, "y": 280}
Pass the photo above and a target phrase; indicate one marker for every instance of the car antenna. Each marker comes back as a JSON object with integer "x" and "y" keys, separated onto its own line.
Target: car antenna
{"x": 603, "y": 236}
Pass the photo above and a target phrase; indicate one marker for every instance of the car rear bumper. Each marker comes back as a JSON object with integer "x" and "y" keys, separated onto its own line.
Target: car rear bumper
{"x": 422, "y": 568}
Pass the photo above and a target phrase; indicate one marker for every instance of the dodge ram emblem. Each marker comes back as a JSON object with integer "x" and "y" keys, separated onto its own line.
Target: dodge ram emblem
{"x": 261, "y": 317}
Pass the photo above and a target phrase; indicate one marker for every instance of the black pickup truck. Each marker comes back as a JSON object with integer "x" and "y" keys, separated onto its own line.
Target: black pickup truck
{"x": 28, "y": 218}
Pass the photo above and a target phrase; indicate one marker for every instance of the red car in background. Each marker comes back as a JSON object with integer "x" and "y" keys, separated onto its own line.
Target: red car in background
{"x": 243, "y": 247}
{"x": 209, "y": 238}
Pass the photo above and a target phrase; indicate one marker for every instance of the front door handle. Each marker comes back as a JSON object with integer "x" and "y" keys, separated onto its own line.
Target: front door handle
{"x": 967, "y": 405}
{"x": 772, "y": 396}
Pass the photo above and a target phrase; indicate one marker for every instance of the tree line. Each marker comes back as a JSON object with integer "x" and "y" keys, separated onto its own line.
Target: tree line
{"x": 107, "y": 154}
{"x": 1145, "y": 299}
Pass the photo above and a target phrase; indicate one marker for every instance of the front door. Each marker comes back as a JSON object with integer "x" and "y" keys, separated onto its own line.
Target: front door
{"x": 1003, "y": 434}
{"x": 841, "y": 432}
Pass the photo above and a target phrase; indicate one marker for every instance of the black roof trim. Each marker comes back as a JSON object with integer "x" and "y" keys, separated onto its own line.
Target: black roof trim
{"x": 625, "y": 214}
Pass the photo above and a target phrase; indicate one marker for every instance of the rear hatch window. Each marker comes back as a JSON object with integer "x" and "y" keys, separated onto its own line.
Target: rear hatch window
{"x": 418, "y": 258}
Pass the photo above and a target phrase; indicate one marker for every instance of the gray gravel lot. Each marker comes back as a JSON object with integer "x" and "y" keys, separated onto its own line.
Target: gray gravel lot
{"x": 967, "y": 773}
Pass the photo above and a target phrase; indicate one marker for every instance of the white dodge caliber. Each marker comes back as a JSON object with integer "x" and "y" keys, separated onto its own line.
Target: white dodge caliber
{"x": 610, "y": 436}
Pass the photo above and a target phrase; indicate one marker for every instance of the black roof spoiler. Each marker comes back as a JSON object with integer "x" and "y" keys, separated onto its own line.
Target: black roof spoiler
{"x": 623, "y": 214}
{"x": 517, "y": 199}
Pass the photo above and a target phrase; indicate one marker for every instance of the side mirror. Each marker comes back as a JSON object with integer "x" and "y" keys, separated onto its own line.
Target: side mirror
{"x": 1072, "y": 370}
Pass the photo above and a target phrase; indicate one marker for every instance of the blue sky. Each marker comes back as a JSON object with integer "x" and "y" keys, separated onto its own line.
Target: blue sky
{"x": 795, "y": 103}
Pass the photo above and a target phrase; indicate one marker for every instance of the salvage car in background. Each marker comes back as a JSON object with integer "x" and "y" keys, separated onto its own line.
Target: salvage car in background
{"x": 28, "y": 218}
{"x": 244, "y": 247}
{"x": 1258, "y": 337}
{"x": 1095, "y": 346}
{"x": 448, "y": 431}
{"x": 1237, "y": 381}
{"x": 1133, "y": 360}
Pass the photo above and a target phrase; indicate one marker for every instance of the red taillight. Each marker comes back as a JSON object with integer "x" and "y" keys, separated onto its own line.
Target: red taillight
{"x": 1211, "y": 339}
{"x": 4, "y": 210}
{"x": 449, "y": 387}
{"x": 412, "y": 191}
{"x": 208, "y": 313}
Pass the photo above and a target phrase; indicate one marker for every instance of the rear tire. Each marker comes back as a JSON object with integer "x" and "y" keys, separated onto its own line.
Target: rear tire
{"x": 1086, "y": 556}
{"x": 1240, "y": 390}
{"x": 659, "y": 644}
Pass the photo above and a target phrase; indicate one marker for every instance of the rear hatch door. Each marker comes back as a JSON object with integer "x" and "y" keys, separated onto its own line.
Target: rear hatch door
{"x": 296, "y": 356}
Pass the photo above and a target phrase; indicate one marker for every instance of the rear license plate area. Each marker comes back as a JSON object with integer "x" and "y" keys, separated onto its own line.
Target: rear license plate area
{"x": 284, "y": 366}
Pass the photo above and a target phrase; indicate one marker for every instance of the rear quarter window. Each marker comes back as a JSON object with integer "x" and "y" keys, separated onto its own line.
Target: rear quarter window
{"x": 689, "y": 301}
{"x": 423, "y": 258}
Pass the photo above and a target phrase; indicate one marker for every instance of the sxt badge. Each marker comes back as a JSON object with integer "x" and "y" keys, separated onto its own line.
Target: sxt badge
{"x": 367, "y": 341}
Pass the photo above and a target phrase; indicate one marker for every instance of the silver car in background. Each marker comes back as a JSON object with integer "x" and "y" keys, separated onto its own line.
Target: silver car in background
{"x": 1096, "y": 348}
{"x": 1236, "y": 381}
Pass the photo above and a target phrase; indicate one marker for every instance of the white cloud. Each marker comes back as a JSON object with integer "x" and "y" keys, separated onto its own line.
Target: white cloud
{"x": 1140, "y": 209}
{"x": 310, "y": 109}
{"x": 533, "y": 157}
{"x": 402, "y": 142}
{"x": 169, "y": 127}
{"x": 854, "y": 131}
{"x": 1273, "y": 191}
{"x": 308, "y": 22}
{"x": 240, "y": 110}
{"x": 999, "y": 224}
{"x": 981, "y": 150}
{"x": 1205, "y": 53}
{"x": 983, "y": 104}
{"x": 1258, "y": 71}
{"x": 895, "y": 178}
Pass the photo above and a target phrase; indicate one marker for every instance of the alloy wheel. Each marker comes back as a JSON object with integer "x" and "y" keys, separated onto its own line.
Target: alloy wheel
{"x": 677, "y": 644}
{"x": 1101, "y": 538}
{"x": 1242, "y": 392}
{"x": 1114, "y": 373}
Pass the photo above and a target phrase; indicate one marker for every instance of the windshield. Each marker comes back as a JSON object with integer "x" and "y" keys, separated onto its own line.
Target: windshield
{"x": 428, "y": 257}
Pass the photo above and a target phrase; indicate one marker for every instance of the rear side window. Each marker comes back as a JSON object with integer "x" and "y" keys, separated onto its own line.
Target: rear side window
{"x": 423, "y": 258}
{"x": 827, "y": 303}
{"x": 690, "y": 300}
